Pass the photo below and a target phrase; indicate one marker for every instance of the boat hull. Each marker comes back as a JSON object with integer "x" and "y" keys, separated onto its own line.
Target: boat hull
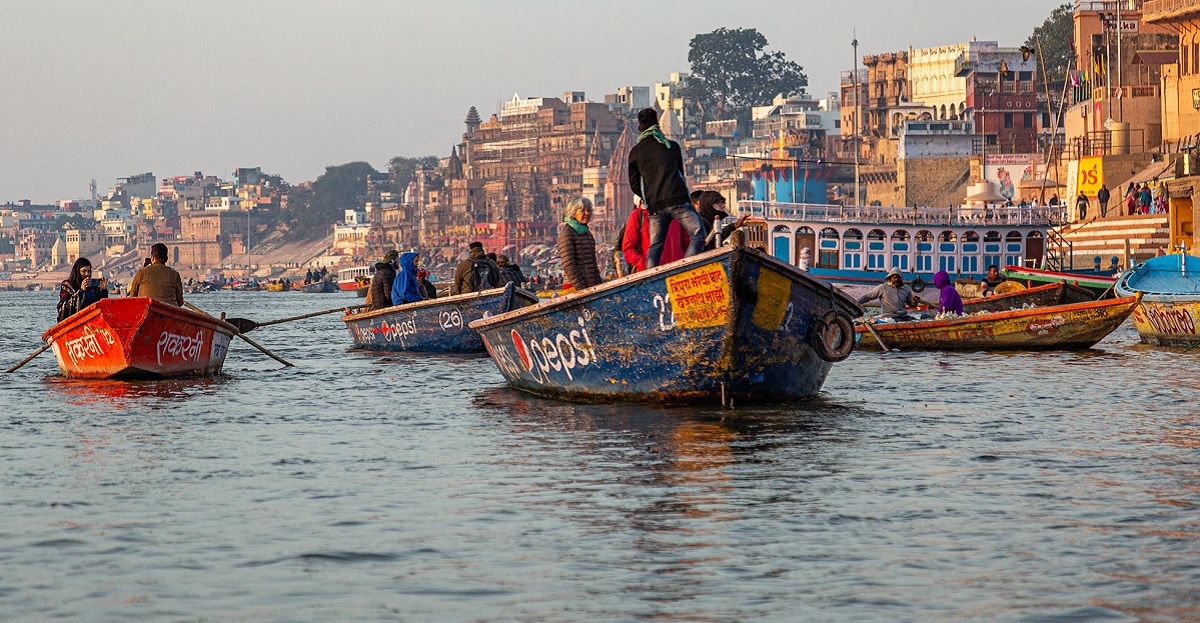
{"x": 437, "y": 325}
{"x": 1074, "y": 326}
{"x": 731, "y": 324}
{"x": 139, "y": 338}
{"x": 1169, "y": 314}
{"x": 1168, "y": 323}
{"x": 320, "y": 287}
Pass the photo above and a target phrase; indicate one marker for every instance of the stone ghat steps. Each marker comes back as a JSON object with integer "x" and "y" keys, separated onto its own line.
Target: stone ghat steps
{"x": 1145, "y": 235}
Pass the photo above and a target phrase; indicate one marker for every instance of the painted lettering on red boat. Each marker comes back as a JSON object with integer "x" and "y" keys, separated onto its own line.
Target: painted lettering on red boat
{"x": 87, "y": 345}
{"x": 181, "y": 346}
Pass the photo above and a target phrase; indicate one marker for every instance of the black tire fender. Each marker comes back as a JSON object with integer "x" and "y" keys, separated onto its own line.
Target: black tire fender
{"x": 918, "y": 285}
{"x": 832, "y": 337}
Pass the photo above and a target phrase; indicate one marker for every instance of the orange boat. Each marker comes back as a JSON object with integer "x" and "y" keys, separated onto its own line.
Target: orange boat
{"x": 139, "y": 338}
{"x": 1057, "y": 327}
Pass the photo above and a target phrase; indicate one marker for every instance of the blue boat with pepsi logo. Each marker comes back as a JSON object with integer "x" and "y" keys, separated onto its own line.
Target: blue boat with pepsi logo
{"x": 732, "y": 325}
{"x": 435, "y": 325}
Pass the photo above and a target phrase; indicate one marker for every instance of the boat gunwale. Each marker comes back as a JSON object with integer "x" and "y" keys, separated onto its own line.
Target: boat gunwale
{"x": 1130, "y": 301}
{"x": 164, "y": 309}
{"x": 1035, "y": 273}
{"x": 452, "y": 299}
{"x": 683, "y": 265}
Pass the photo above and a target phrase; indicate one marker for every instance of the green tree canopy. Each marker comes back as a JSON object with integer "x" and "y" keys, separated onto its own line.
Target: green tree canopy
{"x": 311, "y": 211}
{"x": 731, "y": 72}
{"x": 402, "y": 168}
{"x": 1055, "y": 36}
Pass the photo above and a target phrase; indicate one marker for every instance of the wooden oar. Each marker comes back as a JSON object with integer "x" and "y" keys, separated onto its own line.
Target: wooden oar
{"x": 303, "y": 316}
{"x": 244, "y": 338}
{"x": 875, "y": 334}
{"x": 29, "y": 358}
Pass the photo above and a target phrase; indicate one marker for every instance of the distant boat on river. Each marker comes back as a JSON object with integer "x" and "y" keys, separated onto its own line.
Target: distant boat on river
{"x": 434, "y": 325}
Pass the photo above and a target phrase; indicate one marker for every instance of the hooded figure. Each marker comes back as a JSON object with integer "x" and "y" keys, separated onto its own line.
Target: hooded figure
{"x": 407, "y": 287}
{"x": 951, "y": 301}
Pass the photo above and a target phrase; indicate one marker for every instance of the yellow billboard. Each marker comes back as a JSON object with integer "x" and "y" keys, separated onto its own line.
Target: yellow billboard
{"x": 1091, "y": 175}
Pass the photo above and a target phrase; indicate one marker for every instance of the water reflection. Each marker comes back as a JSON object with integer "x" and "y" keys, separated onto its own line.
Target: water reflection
{"x": 114, "y": 395}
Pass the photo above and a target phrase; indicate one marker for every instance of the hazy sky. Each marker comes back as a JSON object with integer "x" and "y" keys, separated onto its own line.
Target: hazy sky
{"x": 115, "y": 88}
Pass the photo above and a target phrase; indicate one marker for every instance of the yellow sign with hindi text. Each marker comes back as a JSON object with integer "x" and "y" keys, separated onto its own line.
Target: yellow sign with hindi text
{"x": 700, "y": 297}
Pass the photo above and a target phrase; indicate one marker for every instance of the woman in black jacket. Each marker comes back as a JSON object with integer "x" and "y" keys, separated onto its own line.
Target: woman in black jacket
{"x": 577, "y": 246}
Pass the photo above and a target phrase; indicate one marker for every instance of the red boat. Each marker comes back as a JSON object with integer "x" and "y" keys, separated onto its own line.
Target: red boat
{"x": 139, "y": 338}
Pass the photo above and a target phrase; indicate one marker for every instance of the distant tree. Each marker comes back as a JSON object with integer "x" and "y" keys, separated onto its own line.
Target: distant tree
{"x": 731, "y": 72}
{"x": 402, "y": 168}
{"x": 311, "y": 211}
{"x": 1055, "y": 36}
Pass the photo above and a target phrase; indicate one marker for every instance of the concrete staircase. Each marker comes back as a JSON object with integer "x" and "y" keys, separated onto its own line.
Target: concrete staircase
{"x": 1137, "y": 237}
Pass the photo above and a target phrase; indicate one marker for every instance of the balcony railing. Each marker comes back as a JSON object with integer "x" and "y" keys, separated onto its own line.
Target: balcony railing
{"x": 965, "y": 216}
{"x": 1153, "y": 9}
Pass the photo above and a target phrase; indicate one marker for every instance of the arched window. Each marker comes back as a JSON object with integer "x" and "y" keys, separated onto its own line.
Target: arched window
{"x": 781, "y": 243}
{"x": 901, "y": 249}
{"x": 1014, "y": 249}
{"x": 876, "y": 250}
{"x": 852, "y": 248}
{"x": 991, "y": 250}
{"x": 943, "y": 112}
{"x": 947, "y": 248}
{"x": 1035, "y": 247}
{"x": 828, "y": 243}
{"x": 923, "y": 260}
{"x": 970, "y": 250}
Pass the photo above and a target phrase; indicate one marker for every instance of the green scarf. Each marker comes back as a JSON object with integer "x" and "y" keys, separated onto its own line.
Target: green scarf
{"x": 579, "y": 228}
{"x": 655, "y": 132}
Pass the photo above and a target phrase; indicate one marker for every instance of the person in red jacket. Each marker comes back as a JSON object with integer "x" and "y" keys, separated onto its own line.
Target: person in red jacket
{"x": 636, "y": 243}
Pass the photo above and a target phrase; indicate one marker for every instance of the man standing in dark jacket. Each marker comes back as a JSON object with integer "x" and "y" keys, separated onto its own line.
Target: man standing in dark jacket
{"x": 656, "y": 175}
{"x": 379, "y": 296}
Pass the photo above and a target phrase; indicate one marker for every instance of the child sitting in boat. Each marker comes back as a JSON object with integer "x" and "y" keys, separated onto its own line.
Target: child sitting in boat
{"x": 951, "y": 301}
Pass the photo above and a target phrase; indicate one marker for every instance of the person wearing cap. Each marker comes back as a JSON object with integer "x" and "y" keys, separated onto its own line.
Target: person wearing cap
{"x": 894, "y": 297}
{"x": 656, "y": 175}
{"x": 379, "y": 295}
{"x": 476, "y": 259}
{"x": 428, "y": 290}
{"x": 712, "y": 208}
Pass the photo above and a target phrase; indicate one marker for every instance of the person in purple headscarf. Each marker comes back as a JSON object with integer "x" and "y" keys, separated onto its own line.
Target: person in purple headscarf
{"x": 950, "y": 301}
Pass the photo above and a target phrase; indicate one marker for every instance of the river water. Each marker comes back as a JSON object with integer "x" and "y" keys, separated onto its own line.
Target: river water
{"x": 354, "y": 487}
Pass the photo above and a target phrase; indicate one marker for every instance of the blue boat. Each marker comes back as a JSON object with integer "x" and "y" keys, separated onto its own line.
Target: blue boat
{"x": 436, "y": 325}
{"x": 1169, "y": 313}
{"x": 733, "y": 324}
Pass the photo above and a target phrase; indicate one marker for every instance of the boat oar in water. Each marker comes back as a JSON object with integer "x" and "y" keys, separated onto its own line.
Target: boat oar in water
{"x": 244, "y": 338}
{"x": 866, "y": 322}
{"x": 29, "y": 358}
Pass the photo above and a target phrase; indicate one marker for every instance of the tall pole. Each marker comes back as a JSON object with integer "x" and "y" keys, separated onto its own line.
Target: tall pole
{"x": 854, "y": 82}
{"x": 247, "y": 243}
{"x": 1108, "y": 68}
{"x": 1121, "y": 97}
